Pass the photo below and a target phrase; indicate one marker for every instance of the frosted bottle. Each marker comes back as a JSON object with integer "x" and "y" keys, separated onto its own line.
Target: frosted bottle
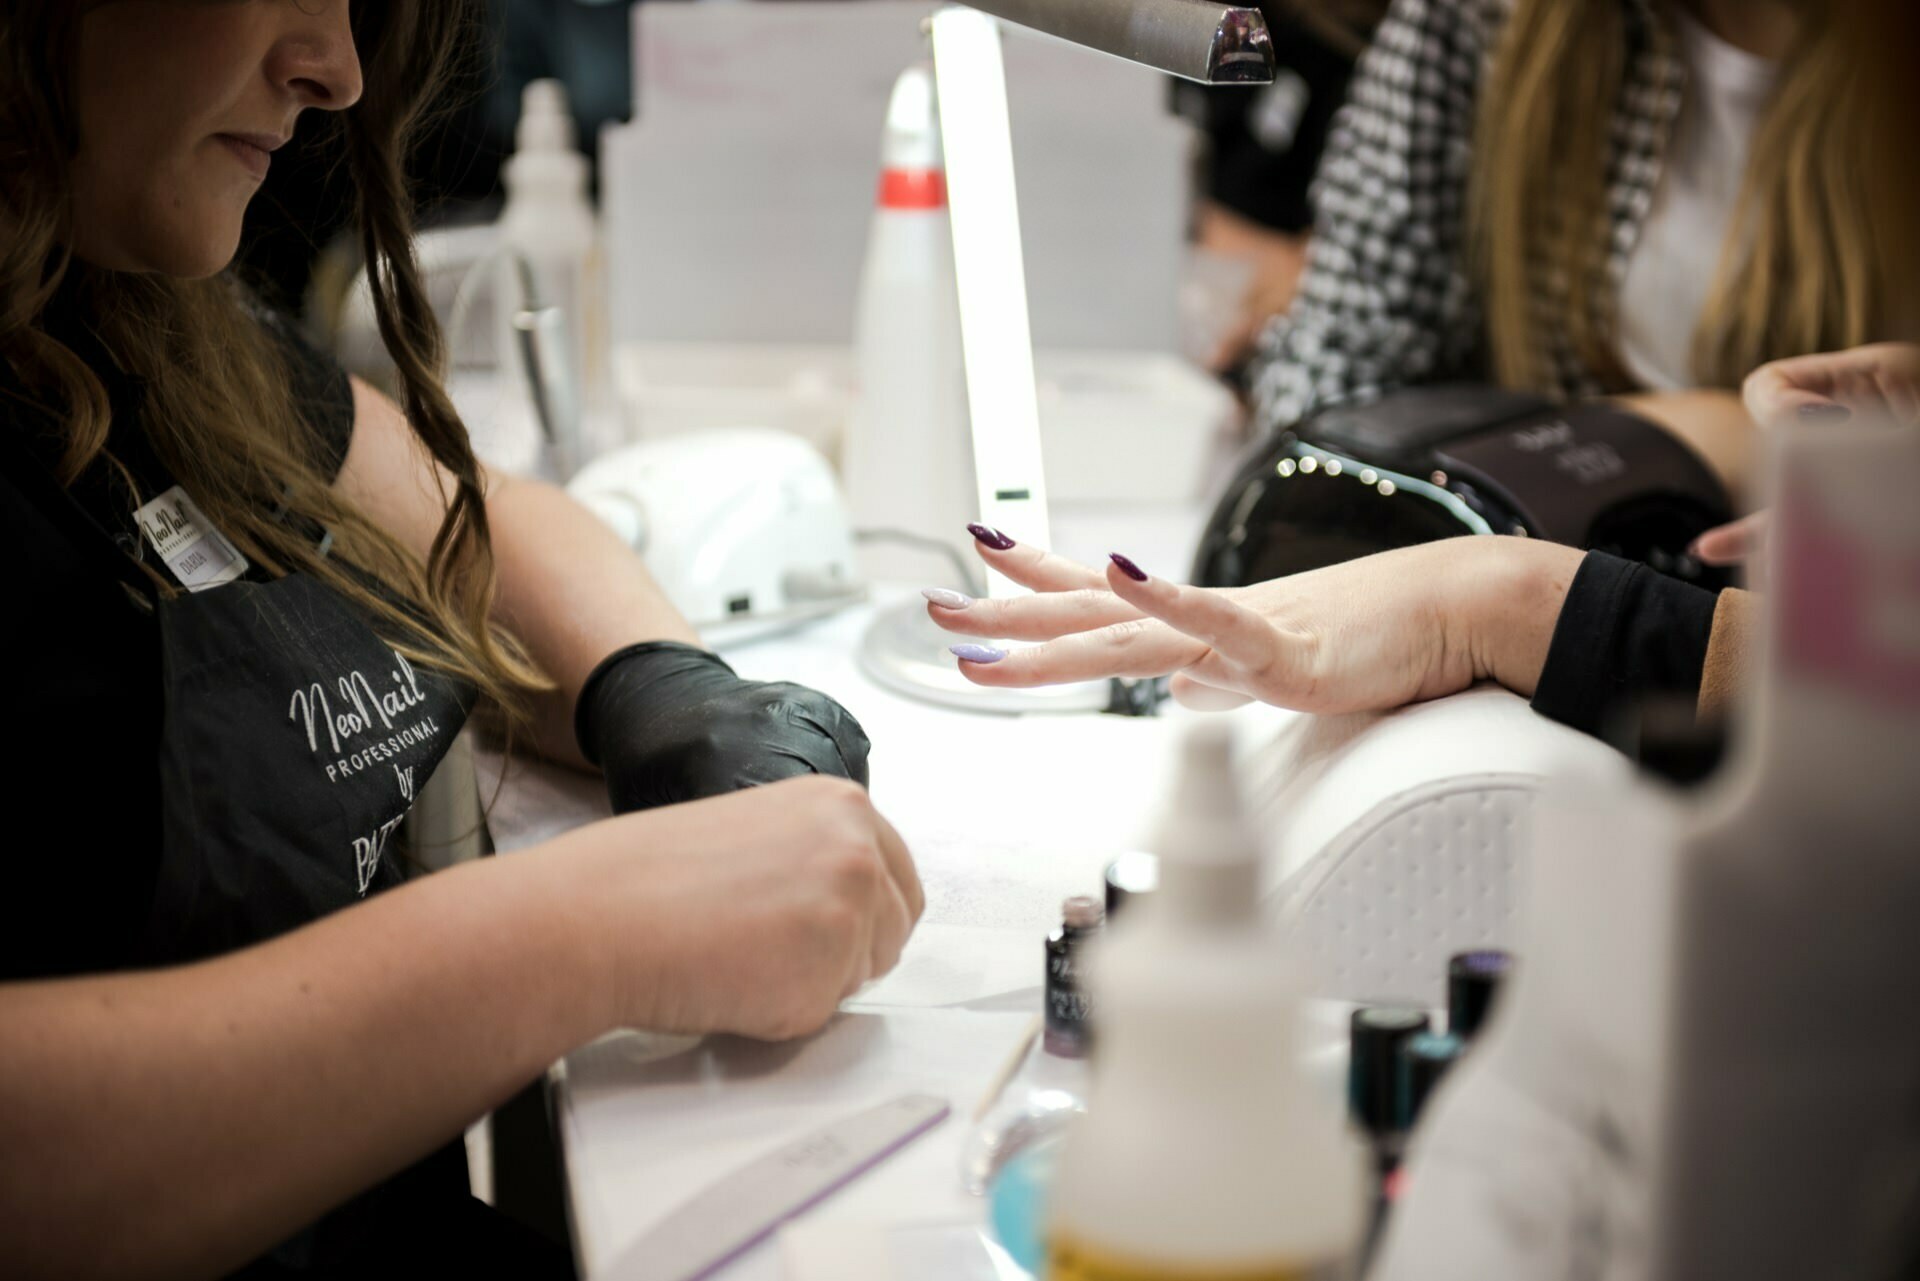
{"x": 1206, "y": 1151}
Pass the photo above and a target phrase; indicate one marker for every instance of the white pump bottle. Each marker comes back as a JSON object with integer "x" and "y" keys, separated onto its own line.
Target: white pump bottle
{"x": 1206, "y": 1151}
{"x": 549, "y": 222}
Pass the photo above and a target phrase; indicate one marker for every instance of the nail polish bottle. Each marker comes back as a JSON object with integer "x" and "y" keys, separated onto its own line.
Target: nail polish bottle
{"x": 1130, "y": 878}
{"x": 1376, "y": 1034}
{"x": 1424, "y": 1060}
{"x": 1069, "y": 1030}
{"x": 1473, "y": 981}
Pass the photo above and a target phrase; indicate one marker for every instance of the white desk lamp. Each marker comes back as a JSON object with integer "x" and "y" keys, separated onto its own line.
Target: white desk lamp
{"x": 1201, "y": 40}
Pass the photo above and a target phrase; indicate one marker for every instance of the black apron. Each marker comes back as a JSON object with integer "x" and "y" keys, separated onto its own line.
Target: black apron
{"x": 293, "y": 742}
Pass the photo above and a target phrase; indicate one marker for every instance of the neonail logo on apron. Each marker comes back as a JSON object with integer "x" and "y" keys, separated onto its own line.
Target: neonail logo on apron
{"x": 366, "y": 728}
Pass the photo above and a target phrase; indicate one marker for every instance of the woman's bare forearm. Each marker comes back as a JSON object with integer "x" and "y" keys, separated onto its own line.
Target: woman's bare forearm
{"x": 178, "y": 1122}
{"x": 1714, "y": 424}
{"x": 568, "y": 587}
{"x": 573, "y": 593}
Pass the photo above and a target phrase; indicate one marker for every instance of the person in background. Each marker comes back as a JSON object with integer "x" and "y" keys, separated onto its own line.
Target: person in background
{"x": 1263, "y": 146}
{"x": 1640, "y": 198}
{"x": 1584, "y": 635}
{"x": 250, "y": 605}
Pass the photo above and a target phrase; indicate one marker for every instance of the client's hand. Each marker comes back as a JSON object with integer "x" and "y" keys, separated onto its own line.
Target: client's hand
{"x": 1373, "y": 633}
{"x": 667, "y": 723}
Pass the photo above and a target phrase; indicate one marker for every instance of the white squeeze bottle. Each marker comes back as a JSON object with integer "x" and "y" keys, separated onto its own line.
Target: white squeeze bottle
{"x": 909, "y": 453}
{"x": 550, "y": 222}
{"x": 1206, "y": 1151}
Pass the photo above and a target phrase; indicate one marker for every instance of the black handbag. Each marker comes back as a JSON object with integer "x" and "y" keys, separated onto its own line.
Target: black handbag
{"x": 1437, "y": 462}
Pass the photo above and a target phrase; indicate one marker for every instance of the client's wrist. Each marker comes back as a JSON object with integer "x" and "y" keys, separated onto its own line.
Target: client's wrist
{"x": 1508, "y": 600}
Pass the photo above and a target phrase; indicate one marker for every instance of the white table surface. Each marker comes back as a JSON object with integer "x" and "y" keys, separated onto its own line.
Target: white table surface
{"x": 1006, "y": 816}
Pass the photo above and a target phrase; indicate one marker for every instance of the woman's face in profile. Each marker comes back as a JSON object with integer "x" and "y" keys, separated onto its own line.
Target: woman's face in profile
{"x": 179, "y": 105}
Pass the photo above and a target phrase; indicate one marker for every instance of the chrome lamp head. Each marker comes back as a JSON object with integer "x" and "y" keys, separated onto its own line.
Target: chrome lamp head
{"x": 1201, "y": 40}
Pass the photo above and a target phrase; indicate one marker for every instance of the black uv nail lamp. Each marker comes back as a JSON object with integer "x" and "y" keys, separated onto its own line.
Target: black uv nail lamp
{"x": 1438, "y": 462}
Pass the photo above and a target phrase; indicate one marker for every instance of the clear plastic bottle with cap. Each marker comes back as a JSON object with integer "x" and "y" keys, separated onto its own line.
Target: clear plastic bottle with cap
{"x": 549, "y": 223}
{"x": 909, "y": 451}
{"x": 1206, "y": 1149}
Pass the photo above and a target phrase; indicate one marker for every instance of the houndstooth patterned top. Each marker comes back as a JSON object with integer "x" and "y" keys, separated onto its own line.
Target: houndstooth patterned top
{"x": 1386, "y": 301}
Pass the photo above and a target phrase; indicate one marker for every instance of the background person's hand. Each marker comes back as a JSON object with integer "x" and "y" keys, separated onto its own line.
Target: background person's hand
{"x": 1883, "y": 378}
{"x": 1878, "y": 380}
{"x": 755, "y": 913}
{"x": 1734, "y": 543}
{"x": 1378, "y": 632}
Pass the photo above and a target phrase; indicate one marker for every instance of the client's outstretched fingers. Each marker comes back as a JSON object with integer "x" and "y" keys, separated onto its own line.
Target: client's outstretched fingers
{"x": 1196, "y": 695}
{"x": 1139, "y": 648}
{"x": 1034, "y": 618}
{"x": 1031, "y": 566}
{"x": 1235, "y": 633}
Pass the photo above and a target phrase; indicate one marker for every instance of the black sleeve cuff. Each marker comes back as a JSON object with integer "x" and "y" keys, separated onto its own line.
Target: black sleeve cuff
{"x": 1624, "y": 632}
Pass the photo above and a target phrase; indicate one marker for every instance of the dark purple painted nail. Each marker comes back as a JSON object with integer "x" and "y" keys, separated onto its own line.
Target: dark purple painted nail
{"x": 990, "y": 536}
{"x": 1128, "y": 568}
{"x": 978, "y": 653}
{"x": 1825, "y": 411}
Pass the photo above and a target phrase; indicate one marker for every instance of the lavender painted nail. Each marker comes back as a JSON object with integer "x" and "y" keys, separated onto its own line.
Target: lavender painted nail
{"x": 990, "y": 536}
{"x": 946, "y": 599}
{"x": 1127, "y": 567}
{"x": 978, "y": 653}
{"x": 1825, "y": 412}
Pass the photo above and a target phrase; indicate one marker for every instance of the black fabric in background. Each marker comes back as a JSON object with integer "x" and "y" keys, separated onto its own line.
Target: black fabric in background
{"x": 1263, "y": 184}
{"x": 307, "y": 199}
{"x": 1625, "y": 632}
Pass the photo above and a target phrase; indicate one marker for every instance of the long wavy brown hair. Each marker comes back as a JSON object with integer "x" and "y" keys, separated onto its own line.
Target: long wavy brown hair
{"x": 1800, "y": 270}
{"x": 218, "y": 409}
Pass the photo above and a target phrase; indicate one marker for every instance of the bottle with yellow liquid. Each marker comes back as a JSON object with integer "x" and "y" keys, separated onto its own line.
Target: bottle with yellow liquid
{"x": 1206, "y": 1153}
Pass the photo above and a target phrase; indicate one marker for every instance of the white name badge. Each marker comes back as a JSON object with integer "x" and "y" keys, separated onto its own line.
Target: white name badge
{"x": 197, "y": 553}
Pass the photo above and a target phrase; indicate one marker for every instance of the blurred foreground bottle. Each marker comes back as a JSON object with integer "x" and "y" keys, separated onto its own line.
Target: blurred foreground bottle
{"x": 1705, "y": 1066}
{"x": 1205, "y": 1151}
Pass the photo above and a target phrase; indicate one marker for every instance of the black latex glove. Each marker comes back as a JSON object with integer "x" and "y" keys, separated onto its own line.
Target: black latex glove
{"x": 667, "y": 722}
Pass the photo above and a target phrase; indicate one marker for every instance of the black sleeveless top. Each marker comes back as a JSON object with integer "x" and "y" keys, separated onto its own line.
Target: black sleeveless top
{"x": 188, "y": 807}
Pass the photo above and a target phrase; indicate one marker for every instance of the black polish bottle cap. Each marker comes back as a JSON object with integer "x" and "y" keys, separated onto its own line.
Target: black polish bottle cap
{"x": 1375, "y": 1035}
{"x": 1473, "y": 980}
{"x": 1425, "y": 1057}
{"x": 1131, "y": 876}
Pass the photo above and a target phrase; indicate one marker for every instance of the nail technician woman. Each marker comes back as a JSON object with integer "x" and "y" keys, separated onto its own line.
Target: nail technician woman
{"x": 248, "y": 607}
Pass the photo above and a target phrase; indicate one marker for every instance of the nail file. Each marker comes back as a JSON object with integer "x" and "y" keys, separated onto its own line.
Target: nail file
{"x": 720, "y": 1224}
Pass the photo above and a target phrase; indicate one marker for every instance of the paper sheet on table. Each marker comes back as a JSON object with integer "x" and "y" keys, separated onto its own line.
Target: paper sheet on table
{"x": 962, "y": 965}
{"x": 643, "y": 1135}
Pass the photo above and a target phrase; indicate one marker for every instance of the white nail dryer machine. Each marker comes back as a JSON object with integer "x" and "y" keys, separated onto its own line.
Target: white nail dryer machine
{"x": 739, "y": 525}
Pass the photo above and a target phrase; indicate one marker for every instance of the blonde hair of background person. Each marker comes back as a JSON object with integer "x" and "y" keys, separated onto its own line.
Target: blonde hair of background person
{"x": 1799, "y": 270}
{"x": 1487, "y": 181}
{"x": 182, "y": 1119}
